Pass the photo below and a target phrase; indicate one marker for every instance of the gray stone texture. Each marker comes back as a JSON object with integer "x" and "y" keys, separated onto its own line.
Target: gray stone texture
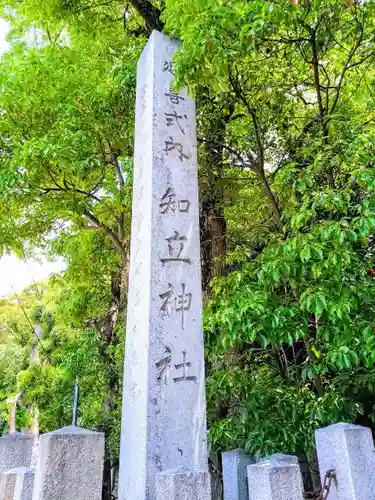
{"x": 275, "y": 480}
{"x": 70, "y": 465}
{"x": 349, "y": 450}
{"x": 235, "y": 464}
{"x": 25, "y": 484}
{"x": 181, "y": 484}
{"x": 17, "y": 484}
{"x": 7, "y": 485}
{"x": 163, "y": 415}
{"x": 15, "y": 451}
{"x": 281, "y": 457}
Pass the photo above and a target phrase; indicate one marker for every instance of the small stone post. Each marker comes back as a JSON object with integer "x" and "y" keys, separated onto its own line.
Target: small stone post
{"x": 7, "y": 485}
{"x": 235, "y": 464}
{"x": 15, "y": 451}
{"x": 275, "y": 478}
{"x": 70, "y": 465}
{"x": 182, "y": 484}
{"x": 348, "y": 450}
{"x": 17, "y": 484}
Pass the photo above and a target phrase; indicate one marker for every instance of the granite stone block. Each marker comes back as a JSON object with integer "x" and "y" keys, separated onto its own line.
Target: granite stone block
{"x": 281, "y": 457}
{"x": 235, "y": 464}
{"x": 7, "y": 485}
{"x": 17, "y": 484}
{"x": 348, "y": 450}
{"x": 15, "y": 451}
{"x": 70, "y": 465}
{"x": 275, "y": 480}
{"x": 181, "y": 484}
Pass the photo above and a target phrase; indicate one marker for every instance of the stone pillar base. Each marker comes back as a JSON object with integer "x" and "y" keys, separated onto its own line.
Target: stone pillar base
{"x": 182, "y": 484}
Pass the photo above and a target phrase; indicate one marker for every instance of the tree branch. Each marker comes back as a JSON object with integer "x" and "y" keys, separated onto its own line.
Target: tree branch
{"x": 46, "y": 190}
{"x": 323, "y": 122}
{"x": 121, "y": 180}
{"x": 107, "y": 232}
{"x": 315, "y": 63}
{"x": 228, "y": 148}
{"x": 150, "y": 14}
{"x": 95, "y": 5}
{"x": 259, "y": 166}
{"x": 346, "y": 68}
{"x": 117, "y": 165}
{"x": 288, "y": 41}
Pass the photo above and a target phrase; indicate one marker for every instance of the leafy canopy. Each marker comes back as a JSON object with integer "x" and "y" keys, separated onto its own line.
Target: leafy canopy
{"x": 286, "y": 150}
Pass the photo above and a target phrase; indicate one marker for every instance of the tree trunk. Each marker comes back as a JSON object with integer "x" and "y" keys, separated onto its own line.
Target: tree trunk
{"x": 212, "y": 217}
{"x": 107, "y": 476}
{"x": 213, "y": 241}
{"x": 109, "y": 338}
{"x": 150, "y": 14}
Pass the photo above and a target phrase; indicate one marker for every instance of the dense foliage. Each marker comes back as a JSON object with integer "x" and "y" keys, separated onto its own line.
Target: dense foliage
{"x": 286, "y": 114}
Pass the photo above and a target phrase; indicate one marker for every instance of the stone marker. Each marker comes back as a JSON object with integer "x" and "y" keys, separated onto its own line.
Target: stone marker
{"x": 164, "y": 421}
{"x": 24, "y": 484}
{"x": 7, "y": 485}
{"x": 182, "y": 484}
{"x": 235, "y": 464}
{"x": 70, "y": 465}
{"x": 275, "y": 480}
{"x": 15, "y": 451}
{"x": 348, "y": 450}
{"x": 17, "y": 484}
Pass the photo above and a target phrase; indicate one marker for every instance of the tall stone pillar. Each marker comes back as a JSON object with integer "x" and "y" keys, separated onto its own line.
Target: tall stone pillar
{"x": 164, "y": 420}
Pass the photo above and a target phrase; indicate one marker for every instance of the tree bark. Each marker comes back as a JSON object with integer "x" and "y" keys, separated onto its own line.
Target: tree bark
{"x": 150, "y": 14}
{"x": 212, "y": 219}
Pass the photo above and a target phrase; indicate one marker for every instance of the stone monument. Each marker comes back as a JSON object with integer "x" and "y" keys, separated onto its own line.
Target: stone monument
{"x": 15, "y": 451}
{"x": 70, "y": 465}
{"x": 164, "y": 421}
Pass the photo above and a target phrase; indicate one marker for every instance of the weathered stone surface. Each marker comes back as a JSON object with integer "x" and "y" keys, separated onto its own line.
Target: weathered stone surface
{"x": 349, "y": 450}
{"x": 70, "y": 465}
{"x": 15, "y": 451}
{"x": 281, "y": 457}
{"x": 25, "y": 484}
{"x": 273, "y": 480}
{"x": 182, "y": 484}
{"x": 17, "y": 484}
{"x": 235, "y": 464}
{"x": 7, "y": 485}
{"x": 164, "y": 422}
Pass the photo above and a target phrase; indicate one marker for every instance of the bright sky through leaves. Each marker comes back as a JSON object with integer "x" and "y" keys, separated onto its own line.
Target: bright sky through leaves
{"x": 15, "y": 274}
{"x": 3, "y": 31}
